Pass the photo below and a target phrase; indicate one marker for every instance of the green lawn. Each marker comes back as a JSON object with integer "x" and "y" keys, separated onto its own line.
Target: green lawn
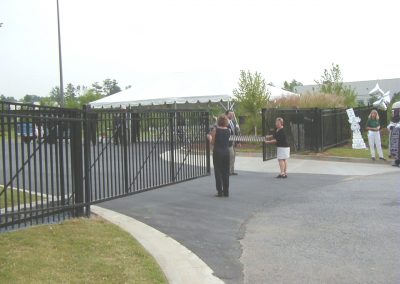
{"x": 15, "y": 194}
{"x": 346, "y": 151}
{"x": 76, "y": 251}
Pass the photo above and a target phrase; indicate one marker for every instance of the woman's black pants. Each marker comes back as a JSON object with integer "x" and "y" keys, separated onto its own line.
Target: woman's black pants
{"x": 221, "y": 172}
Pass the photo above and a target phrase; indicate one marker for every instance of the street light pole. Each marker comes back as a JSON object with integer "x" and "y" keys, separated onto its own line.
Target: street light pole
{"x": 62, "y": 102}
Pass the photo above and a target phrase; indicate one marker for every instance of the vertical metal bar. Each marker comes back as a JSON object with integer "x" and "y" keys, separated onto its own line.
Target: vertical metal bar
{"x": 207, "y": 146}
{"x": 30, "y": 175}
{"x": 104, "y": 156}
{"x": 3, "y": 152}
{"x": 23, "y": 157}
{"x": 119, "y": 156}
{"x": 140, "y": 151}
{"x": 159, "y": 148}
{"x": 56, "y": 165}
{"x": 171, "y": 146}
{"x": 147, "y": 153}
{"x": 264, "y": 133}
{"x": 17, "y": 190}
{"x": 165, "y": 134}
{"x": 151, "y": 151}
{"x": 114, "y": 164}
{"x": 129, "y": 148}
{"x": 61, "y": 158}
{"x": 107, "y": 170}
{"x": 67, "y": 144}
{"x": 153, "y": 147}
{"x": 41, "y": 184}
{"x": 93, "y": 142}
{"x": 96, "y": 158}
{"x": 135, "y": 150}
{"x": 85, "y": 120}
{"x": 125, "y": 157}
{"x": 52, "y": 165}
{"x": 11, "y": 171}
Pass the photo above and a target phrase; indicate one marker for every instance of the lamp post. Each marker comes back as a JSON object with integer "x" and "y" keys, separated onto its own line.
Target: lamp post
{"x": 62, "y": 102}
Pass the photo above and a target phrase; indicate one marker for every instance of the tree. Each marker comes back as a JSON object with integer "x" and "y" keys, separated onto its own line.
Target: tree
{"x": 110, "y": 87}
{"x": 30, "y": 99}
{"x": 90, "y": 96}
{"x": 48, "y": 101}
{"x": 291, "y": 86}
{"x": 96, "y": 88}
{"x": 55, "y": 96}
{"x": 7, "y": 99}
{"x": 70, "y": 92}
{"x": 251, "y": 96}
{"x": 331, "y": 82}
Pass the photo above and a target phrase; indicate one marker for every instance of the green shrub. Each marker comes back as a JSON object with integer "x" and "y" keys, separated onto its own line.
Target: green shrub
{"x": 309, "y": 100}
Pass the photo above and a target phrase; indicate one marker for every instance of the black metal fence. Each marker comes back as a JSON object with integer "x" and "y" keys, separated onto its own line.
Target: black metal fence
{"x": 55, "y": 163}
{"x": 314, "y": 129}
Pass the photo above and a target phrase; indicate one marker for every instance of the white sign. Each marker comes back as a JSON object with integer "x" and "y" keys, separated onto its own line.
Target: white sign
{"x": 358, "y": 141}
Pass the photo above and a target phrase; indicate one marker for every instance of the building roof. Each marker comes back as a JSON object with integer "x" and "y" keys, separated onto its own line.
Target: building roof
{"x": 361, "y": 87}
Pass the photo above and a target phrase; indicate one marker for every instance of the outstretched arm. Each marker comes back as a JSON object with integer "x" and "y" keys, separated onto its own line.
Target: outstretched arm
{"x": 211, "y": 136}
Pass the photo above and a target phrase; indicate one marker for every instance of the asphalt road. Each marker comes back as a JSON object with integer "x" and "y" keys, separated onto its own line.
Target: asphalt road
{"x": 309, "y": 228}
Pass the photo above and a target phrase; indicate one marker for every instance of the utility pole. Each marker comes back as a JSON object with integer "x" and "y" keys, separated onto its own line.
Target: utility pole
{"x": 60, "y": 59}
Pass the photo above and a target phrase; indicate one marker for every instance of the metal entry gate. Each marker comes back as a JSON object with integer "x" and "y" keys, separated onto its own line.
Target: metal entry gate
{"x": 55, "y": 163}
{"x": 131, "y": 151}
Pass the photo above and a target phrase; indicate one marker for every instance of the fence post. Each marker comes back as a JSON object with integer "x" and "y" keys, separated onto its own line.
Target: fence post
{"x": 76, "y": 163}
{"x": 171, "y": 144}
{"x": 86, "y": 157}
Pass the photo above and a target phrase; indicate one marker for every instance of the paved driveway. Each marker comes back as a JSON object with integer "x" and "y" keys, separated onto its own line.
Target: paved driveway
{"x": 309, "y": 228}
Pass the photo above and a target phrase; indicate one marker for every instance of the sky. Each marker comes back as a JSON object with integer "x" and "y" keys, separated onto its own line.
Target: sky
{"x": 204, "y": 43}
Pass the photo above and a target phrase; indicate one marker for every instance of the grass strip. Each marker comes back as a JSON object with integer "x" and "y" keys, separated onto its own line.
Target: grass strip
{"x": 14, "y": 193}
{"x": 76, "y": 251}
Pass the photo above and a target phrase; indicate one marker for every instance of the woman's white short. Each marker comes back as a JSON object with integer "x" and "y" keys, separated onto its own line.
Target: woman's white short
{"x": 283, "y": 153}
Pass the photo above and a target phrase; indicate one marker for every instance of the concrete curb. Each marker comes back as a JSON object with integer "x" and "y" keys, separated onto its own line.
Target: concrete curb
{"x": 179, "y": 264}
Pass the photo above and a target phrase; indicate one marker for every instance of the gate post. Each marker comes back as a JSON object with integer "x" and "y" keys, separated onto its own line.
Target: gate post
{"x": 86, "y": 158}
{"x": 76, "y": 163}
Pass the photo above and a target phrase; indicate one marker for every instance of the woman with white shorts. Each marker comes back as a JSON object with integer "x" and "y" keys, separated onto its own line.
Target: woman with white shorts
{"x": 283, "y": 148}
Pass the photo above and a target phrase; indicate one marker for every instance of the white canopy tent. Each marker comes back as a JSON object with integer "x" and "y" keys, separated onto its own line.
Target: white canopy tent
{"x": 175, "y": 93}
